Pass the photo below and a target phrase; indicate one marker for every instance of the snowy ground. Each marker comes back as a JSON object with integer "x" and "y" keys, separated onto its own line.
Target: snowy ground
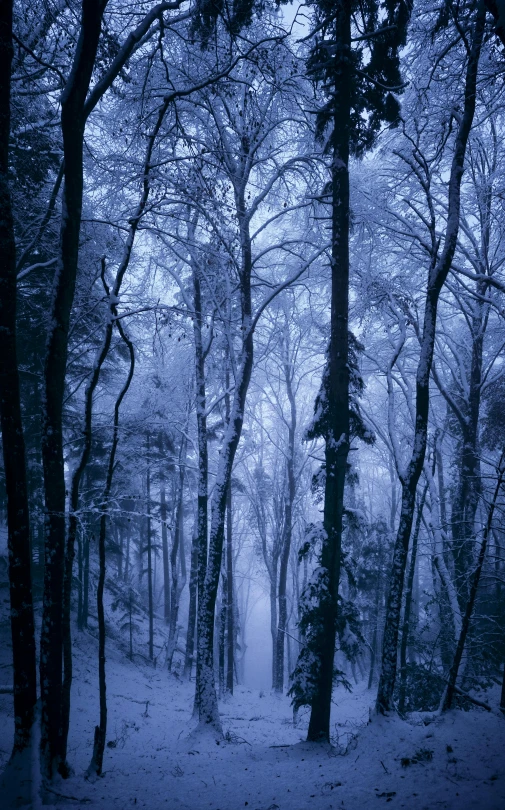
{"x": 152, "y": 760}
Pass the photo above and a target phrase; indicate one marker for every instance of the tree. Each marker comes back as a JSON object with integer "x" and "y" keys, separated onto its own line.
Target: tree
{"x": 437, "y": 275}
{"x": 353, "y": 86}
{"x": 13, "y": 447}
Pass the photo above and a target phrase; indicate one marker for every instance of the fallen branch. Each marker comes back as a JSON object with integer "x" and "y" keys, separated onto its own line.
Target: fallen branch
{"x": 84, "y": 800}
{"x": 480, "y": 703}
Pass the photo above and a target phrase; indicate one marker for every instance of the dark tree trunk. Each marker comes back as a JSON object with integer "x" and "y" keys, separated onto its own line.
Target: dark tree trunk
{"x": 206, "y": 697}
{"x": 375, "y": 637}
{"x": 203, "y": 458}
{"x": 72, "y": 125}
{"x": 289, "y": 498}
{"x": 453, "y": 674}
{"x": 230, "y": 623}
{"x": 193, "y": 587}
{"x": 164, "y": 540}
{"x": 85, "y": 581}
{"x": 436, "y": 279}
{"x": 408, "y": 601}
{"x": 149, "y": 552}
{"x": 73, "y": 528}
{"x": 95, "y": 766}
{"x": 87, "y": 429}
{"x": 13, "y": 446}
{"x": 177, "y": 555}
{"x": 468, "y": 489}
{"x": 273, "y": 618}
{"x": 130, "y": 623}
{"x": 126, "y": 567}
{"x": 502, "y": 699}
{"x": 80, "y": 577}
{"x": 221, "y": 634}
{"x": 337, "y": 438}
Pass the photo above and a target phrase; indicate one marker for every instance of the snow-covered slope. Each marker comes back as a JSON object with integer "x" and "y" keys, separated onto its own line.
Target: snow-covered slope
{"x": 154, "y": 761}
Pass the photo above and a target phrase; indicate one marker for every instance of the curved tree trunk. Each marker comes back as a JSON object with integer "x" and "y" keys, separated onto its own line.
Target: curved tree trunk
{"x": 95, "y": 766}
{"x": 206, "y": 697}
{"x": 87, "y": 432}
{"x": 437, "y": 276}
{"x": 73, "y": 121}
{"x": 453, "y": 674}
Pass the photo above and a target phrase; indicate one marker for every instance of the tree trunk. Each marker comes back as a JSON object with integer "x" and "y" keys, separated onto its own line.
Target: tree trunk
{"x": 149, "y": 552}
{"x": 193, "y": 587}
{"x": 437, "y": 276}
{"x": 230, "y": 619}
{"x": 72, "y": 126}
{"x": 177, "y": 552}
{"x": 469, "y": 487}
{"x": 289, "y": 498}
{"x": 95, "y": 766}
{"x": 130, "y": 610}
{"x": 164, "y": 541}
{"x": 337, "y": 436}
{"x": 453, "y": 674}
{"x": 13, "y": 446}
{"x": 85, "y": 582}
{"x": 221, "y": 636}
{"x": 273, "y": 619}
{"x": 206, "y": 697}
{"x": 408, "y": 601}
{"x": 203, "y": 459}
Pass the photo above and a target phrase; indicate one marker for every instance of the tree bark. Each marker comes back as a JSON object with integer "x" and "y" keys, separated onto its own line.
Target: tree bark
{"x": 337, "y": 438}
{"x": 164, "y": 540}
{"x": 408, "y": 601}
{"x": 230, "y": 619}
{"x": 95, "y": 766}
{"x": 193, "y": 588}
{"x": 177, "y": 552}
{"x": 206, "y": 697}
{"x": 203, "y": 458}
{"x": 468, "y": 488}
{"x": 436, "y": 279}
{"x": 149, "y": 551}
{"x": 453, "y": 674}
{"x": 289, "y": 498}
{"x": 13, "y": 446}
{"x": 51, "y": 644}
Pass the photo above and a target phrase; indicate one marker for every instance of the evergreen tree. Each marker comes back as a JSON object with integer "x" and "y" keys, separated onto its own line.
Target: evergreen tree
{"x": 355, "y": 61}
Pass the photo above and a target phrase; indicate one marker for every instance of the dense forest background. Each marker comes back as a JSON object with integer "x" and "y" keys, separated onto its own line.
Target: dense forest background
{"x": 252, "y": 348}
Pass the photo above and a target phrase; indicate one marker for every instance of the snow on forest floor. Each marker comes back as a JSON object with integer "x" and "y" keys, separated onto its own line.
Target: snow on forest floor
{"x": 154, "y": 761}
